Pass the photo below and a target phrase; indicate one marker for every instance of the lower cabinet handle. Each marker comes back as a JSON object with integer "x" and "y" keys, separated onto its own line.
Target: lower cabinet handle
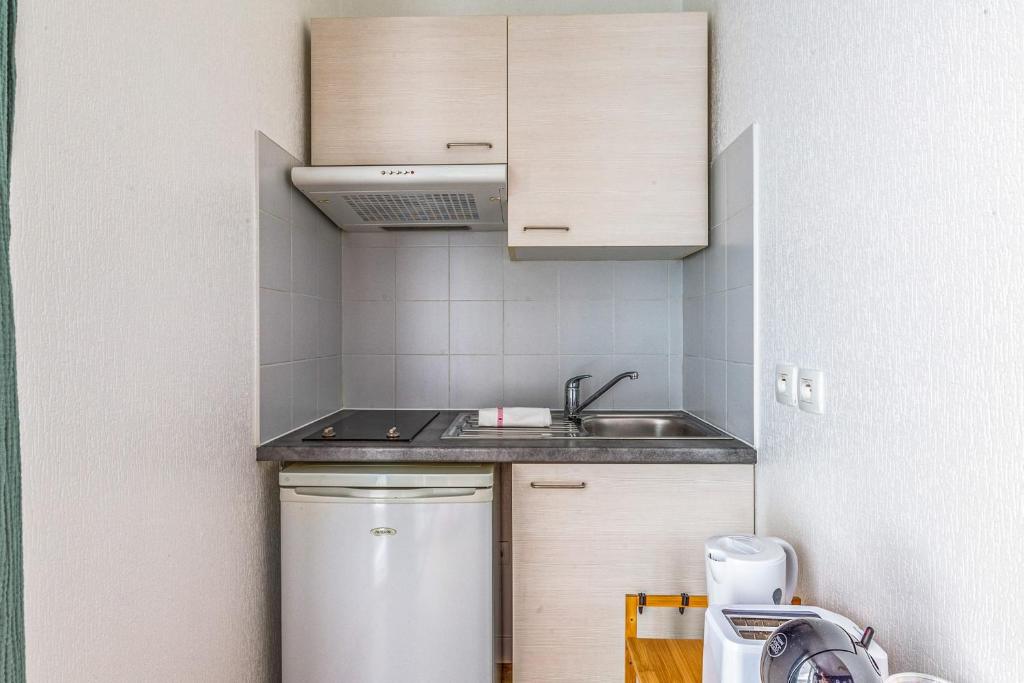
{"x": 558, "y": 484}
{"x": 469, "y": 144}
{"x": 564, "y": 228}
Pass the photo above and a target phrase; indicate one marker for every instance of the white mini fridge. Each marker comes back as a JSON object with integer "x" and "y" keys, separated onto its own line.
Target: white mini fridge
{"x": 387, "y": 573}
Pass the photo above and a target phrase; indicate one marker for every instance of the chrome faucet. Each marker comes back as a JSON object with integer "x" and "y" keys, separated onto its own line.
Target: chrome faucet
{"x": 573, "y": 405}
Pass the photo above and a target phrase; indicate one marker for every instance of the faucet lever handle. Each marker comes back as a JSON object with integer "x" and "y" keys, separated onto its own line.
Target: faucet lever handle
{"x": 575, "y": 381}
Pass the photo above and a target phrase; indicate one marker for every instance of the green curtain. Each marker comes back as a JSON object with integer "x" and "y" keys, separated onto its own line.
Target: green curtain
{"x": 12, "y": 612}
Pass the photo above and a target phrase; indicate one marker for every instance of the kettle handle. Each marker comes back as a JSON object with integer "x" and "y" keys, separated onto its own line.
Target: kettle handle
{"x": 792, "y": 568}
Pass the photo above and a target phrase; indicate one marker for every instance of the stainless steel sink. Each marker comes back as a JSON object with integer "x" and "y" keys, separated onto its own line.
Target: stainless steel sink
{"x": 622, "y": 425}
{"x": 647, "y": 426}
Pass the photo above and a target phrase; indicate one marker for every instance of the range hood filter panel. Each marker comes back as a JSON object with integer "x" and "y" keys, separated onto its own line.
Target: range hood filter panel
{"x": 376, "y": 198}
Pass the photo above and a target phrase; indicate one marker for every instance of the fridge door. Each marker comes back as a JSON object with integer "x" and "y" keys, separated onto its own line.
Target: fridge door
{"x": 380, "y": 590}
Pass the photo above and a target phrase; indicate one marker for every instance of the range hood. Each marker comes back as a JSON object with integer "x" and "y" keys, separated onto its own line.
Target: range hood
{"x": 374, "y": 198}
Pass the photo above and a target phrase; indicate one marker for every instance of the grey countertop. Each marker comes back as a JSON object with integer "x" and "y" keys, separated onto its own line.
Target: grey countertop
{"x": 428, "y": 446}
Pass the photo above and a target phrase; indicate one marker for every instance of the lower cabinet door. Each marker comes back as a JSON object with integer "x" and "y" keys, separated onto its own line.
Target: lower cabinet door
{"x": 585, "y": 535}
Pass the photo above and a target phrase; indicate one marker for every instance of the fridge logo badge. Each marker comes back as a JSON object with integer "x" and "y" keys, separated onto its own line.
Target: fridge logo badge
{"x": 383, "y": 531}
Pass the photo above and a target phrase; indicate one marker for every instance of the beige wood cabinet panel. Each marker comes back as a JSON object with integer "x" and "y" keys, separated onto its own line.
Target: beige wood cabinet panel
{"x": 397, "y": 90}
{"x": 577, "y": 552}
{"x": 607, "y": 133}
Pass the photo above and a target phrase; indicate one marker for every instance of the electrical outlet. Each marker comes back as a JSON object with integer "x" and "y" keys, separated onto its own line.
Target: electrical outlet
{"x": 811, "y": 391}
{"x": 785, "y": 384}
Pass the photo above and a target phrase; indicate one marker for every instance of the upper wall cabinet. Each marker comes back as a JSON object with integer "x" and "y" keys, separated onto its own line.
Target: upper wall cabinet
{"x": 408, "y": 90}
{"x": 607, "y": 135}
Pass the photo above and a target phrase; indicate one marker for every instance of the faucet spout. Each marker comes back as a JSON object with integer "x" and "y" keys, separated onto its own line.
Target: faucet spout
{"x": 573, "y": 412}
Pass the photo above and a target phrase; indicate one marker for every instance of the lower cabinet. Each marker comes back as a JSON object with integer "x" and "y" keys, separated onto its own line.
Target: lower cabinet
{"x": 585, "y": 535}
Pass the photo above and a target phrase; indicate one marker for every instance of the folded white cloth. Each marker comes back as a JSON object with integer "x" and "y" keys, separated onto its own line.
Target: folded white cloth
{"x": 514, "y": 417}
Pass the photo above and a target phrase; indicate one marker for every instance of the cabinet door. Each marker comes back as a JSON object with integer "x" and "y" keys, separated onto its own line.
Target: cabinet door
{"x": 607, "y": 133}
{"x": 408, "y": 90}
{"x": 578, "y": 551}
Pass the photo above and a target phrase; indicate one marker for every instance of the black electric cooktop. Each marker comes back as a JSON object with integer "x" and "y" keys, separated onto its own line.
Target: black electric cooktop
{"x": 375, "y": 425}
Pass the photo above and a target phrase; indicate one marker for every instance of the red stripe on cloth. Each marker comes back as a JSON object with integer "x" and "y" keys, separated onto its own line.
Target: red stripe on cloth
{"x": 501, "y": 415}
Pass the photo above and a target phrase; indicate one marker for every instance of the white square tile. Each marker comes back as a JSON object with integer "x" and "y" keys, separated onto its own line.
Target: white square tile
{"x": 642, "y": 327}
{"x": 675, "y": 327}
{"x": 275, "y": 253}
{"x": 675, "y": 384}
{"x": 368, "y": 274}
{"x": 476, "y": 382}
{"x": 716, "y": 387}
{"x": 532, "y": 381}
{"x": 275, "y": 326}
{"x": 423, "y": 327}
{"x": 693, "y": 275}
{"x": 422, "y": 273}
{"x": 716, "y": 326}
{"x": 369, "y": 239}
{"x": 675, "y": 280}
{"x": 531, "y": 327}
{"x": 641, "y": 280}
{"x": 275, "y": 185}
{"x": 717, "y": 188}
{"x": 476, "y": 327}
{"x": 422, "y": 382}
{"x": 275, "y": 401}
{"x": 305, "y": 314}
{"x": 740, "y": 419}
{"x": 716, "y": 260}
{"x": 329, "y": 339}
{"x": 476, "y": 273}
{"x": 368, "y": 381}
{"x": 740, "y": 249}
{"x": 739, "y": 172}
{"x": 740, "y": 328}
{"x": 368, "y": 327}
{"x": 593, "y": 280}
{"x": 478, "y": 238}
{"x": 305, "y": 393}
{"x": 693, "y": 327}
{"x": 600, "y": 368}
{"x": 693, "y": 386}
{"x": 531, "y": 281}
{"x": 305, "y": 247}
{"x": 328, "y": 385}
{"x": 422, "y": 238}
{"x": 586, "y": 327}
{"x": 648, "y": 391}
{"x": 329, "y": 263}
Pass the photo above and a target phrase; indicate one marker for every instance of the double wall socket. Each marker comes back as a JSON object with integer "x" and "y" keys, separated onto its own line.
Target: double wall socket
{"x": 800, "y": 387}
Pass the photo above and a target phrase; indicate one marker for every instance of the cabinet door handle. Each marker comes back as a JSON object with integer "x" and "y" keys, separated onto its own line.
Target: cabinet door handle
{"x": 564, "y": 228}
{"x": 558, "y": 484}
{"x": 469, "y": 144}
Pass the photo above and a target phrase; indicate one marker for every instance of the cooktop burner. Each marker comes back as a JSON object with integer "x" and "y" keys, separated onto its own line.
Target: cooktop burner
{"x": 375, "y": 425}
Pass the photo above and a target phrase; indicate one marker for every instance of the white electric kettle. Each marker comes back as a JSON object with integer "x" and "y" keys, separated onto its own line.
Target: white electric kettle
{"x": 750, "y": 570}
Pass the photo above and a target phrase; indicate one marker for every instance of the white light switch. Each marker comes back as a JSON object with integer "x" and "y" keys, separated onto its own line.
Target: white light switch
{"x": 785, "y": 384}
{"x": 811, "y": 391}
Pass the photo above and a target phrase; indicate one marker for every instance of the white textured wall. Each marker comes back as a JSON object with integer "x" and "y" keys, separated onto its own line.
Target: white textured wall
{"x": 148, "y": 525}
{"x": 892, "y": 224}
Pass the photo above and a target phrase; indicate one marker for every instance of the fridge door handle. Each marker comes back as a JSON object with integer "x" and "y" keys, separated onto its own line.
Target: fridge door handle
{"x": 382, "y": 494}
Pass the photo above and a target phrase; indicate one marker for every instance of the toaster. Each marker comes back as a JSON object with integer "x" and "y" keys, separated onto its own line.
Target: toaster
{"x": 734, "y": 636}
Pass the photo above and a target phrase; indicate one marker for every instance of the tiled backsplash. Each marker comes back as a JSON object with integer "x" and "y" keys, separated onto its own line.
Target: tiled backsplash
{"x": 439, "y": 320}
{"x": 719, "y": 305}
{"x": 300, "y": 301}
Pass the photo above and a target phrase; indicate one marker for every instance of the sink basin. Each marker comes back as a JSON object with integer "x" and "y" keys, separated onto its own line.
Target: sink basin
{"x": 623, "y": 425}
{"x": 645, "y": 426}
